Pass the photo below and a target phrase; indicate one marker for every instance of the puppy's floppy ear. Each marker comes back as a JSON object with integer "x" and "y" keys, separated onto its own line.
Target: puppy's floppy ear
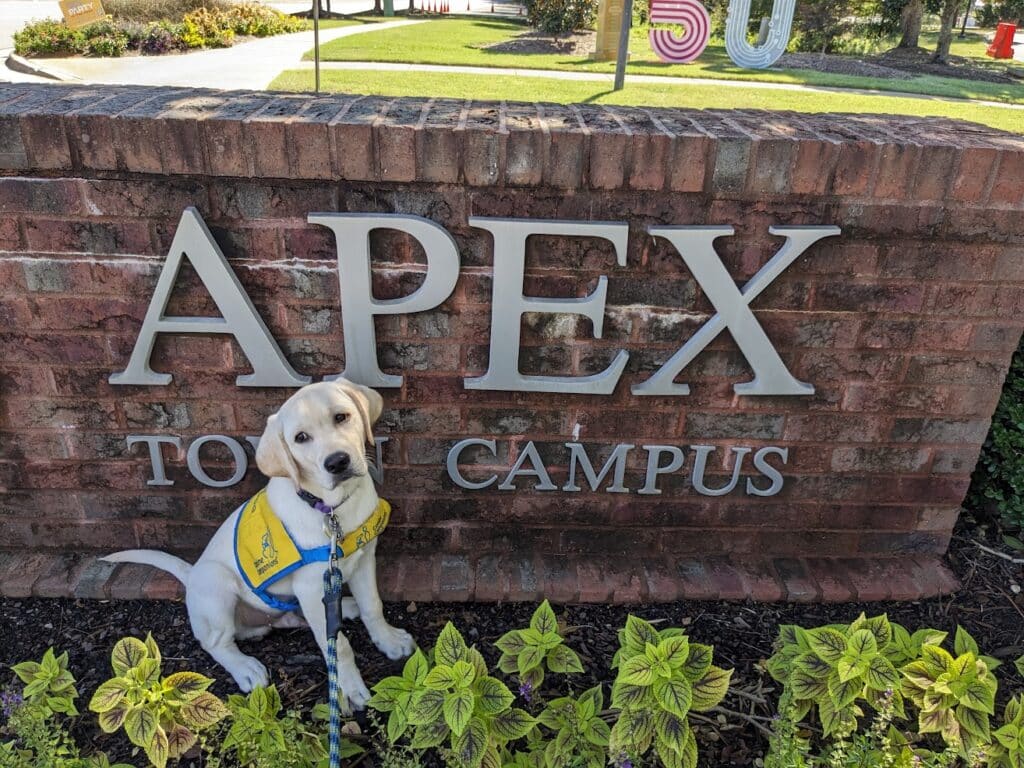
{"x": 273, "y": 456}
{"x": 369, "y": 403}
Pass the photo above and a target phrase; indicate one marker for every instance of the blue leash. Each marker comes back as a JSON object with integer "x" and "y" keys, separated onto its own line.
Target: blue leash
{"x": 332, "y": 609}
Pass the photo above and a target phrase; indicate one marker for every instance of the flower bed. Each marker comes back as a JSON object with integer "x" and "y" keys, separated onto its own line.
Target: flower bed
{"x": 918, "y": 691}
{"x": 203, "y": 27}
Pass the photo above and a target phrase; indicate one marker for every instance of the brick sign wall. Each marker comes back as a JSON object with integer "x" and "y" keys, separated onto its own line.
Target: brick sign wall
{"x": 903, "y": 324}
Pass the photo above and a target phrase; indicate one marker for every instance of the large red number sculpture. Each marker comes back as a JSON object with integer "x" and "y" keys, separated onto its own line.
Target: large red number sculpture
{"x": 693, "y": 16}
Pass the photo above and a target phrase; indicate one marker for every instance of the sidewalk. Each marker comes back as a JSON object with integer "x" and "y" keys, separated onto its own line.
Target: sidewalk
{"x": 250, "y": 66}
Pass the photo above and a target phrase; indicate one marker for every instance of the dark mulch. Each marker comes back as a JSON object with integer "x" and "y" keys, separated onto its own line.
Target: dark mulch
{"x": 534, "y": 41}
{"x": 840, "y": 65}
{"x": 990, "y": 606}
{"x": 897, "y": 64}
{"x": 918, "y": 61}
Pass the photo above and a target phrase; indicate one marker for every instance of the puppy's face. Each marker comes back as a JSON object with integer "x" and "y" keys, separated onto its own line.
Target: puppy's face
{"x": 319, "y": 436}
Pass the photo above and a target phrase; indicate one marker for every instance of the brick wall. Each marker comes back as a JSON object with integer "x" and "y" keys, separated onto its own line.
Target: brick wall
{"x": 904, "y": 324}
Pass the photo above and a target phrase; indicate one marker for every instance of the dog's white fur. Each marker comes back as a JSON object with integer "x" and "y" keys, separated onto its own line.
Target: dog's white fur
{"x": 222, "y": 609}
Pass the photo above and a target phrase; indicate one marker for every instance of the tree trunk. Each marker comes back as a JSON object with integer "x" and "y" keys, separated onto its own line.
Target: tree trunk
{"x": 378, "y": 8}
{"x": 910, "y": 23}
{"x": 949, "y": 14}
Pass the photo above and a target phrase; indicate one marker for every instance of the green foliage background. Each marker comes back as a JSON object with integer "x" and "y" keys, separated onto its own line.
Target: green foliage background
{"x": 998, "y": 483}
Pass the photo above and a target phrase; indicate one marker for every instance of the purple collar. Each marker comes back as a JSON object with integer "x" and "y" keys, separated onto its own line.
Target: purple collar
{"x": 319, "y": 504}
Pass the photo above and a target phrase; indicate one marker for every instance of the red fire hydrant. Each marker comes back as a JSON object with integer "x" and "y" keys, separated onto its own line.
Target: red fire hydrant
{"x": 1002, "y": 43}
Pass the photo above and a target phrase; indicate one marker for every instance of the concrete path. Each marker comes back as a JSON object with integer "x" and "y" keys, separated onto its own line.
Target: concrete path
{"x": 248, "y": 66}
{"x": 631, "y": 78}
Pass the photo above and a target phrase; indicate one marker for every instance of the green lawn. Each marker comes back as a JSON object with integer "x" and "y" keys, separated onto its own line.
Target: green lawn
{"x": 461, "y": 41}
{"x": 498, "y": 87}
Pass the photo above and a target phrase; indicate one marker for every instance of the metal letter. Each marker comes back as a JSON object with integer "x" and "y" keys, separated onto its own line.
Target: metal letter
{"x": 509, "y": 304}
{"x": 377, "y": 467}
{"x": 577, "y": 454}
{"x": 742, "y": 53}
{"x": 453, "y": 463}
{"x": 700, "y": 464}
{"x": 696, "y": 246}
{"x": 654, "y": 467}
{"x": 237, "y": 453}
{"x": 193, "y": 241}
{"x": 768, "y": 471}
{"x": 539, "y": 470}
{"x": 156, "y": 458}
{"x": 358, "y": 306}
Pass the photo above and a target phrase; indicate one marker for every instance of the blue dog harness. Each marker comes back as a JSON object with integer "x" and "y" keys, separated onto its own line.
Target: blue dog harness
{"x": 265, "y": 552}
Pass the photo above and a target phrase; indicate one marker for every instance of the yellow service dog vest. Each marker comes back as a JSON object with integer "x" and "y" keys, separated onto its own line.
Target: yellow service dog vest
{"x": 265, "y": 552}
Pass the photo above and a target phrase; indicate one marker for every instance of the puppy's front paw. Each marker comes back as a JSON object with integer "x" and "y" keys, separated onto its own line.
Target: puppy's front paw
{"x": 355, "y": 694}
{"x": 249, "y": 673}
{"x": 395, "y": 643}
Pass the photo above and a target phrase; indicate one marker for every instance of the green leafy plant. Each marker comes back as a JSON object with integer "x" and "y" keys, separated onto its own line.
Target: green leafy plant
{"x": 955, "y": 696}
{"x": 36, "y": 733}
{"x": 662, "y": 677}
{"x": 998, "y": 481}
{"x": 454, "y": 702}
{"x": 579, "y": 736}
{"x": 1007, "y": 749}
{"x": 833, "y": 669}
{"x": 833, "y": 672}
{"x": 163, "y": 715}
{"x": 527, "y": 652}
{"x": 261, "y": 737}
{"x": 49, "y": 685}
{"x": 48, "y": 38}
{"x": 559, "y": 17}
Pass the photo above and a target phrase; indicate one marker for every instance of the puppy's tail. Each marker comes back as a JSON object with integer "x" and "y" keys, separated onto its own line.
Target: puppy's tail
{"x": 175, "y": 566}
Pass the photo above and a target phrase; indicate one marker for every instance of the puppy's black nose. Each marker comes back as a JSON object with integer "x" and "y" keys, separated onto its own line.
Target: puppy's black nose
{"x": 337, "y": 462}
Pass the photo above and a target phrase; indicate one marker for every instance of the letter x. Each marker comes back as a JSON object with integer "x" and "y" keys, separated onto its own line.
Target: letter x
{"x": 696, "y": 246}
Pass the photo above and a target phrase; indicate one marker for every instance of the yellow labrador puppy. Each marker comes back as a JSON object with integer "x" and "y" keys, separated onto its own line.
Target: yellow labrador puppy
{"x": 267, "y": 560}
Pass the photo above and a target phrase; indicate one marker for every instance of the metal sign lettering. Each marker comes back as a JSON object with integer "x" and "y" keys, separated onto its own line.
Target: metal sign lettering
{"x": 239, "y": 318}
{"x": 529, "y": 471}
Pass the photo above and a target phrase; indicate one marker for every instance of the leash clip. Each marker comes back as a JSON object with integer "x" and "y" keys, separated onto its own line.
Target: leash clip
{"x": 332, "y": 583}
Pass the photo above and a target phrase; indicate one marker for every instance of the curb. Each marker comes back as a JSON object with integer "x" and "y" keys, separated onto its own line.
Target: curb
{"x": 495, "y": 578}
{"x": 26, "y": 67}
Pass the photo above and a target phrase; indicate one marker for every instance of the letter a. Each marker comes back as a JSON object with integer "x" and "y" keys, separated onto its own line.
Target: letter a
{"x": 193, "y": 241}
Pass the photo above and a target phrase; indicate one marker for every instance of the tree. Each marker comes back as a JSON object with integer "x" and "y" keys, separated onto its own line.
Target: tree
{"x": 910, "y": 23}
{"x": 948, "y": 18}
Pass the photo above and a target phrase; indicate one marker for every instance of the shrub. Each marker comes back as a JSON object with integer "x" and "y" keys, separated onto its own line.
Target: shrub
{"x": 837, "y": 673}
{"x": 105, "y": 38}
{"x": 987, "y": 15}
{"x": 998, "y": 482}
{"x": 206, "y": 29}
{"x": 559, "y": 17}
{"x": 48, "y": 38}
{"x": 160, "y": 10}
{"x": 161, "y": 37}
{"x": 259, "y": 21}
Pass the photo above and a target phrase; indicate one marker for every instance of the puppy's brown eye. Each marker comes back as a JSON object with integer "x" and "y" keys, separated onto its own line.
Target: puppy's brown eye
{"x": 301, "y": 437}
{"x": 340, "y": 418}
